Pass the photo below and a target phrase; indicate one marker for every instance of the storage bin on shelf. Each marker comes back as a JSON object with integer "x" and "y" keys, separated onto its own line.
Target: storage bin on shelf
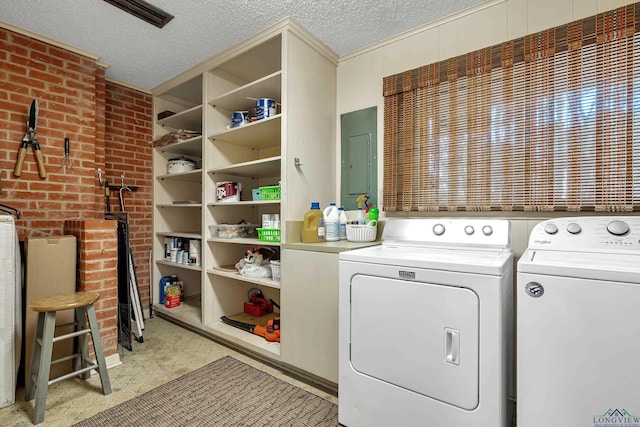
{"x": 275, "y": 270}
{"x": 233, "y": 231}
{"x": 362, "y": 232}
{"x": 269, "y": 234}
{"x": 270, "y": 193}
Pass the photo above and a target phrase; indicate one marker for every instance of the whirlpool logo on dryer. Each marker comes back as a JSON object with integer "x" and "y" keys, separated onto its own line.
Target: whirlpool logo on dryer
{"x": 408, "y": 275}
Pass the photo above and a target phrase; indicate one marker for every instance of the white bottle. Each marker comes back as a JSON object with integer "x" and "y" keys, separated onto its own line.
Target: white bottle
{"x": 332, "y": 223}
{"x": 360, "y": 217}
{"x": 343, "y": 223}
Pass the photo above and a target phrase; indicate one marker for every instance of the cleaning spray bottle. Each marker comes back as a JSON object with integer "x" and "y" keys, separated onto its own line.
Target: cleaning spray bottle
{"x": 372, "y": 216}
{"x": 360, "y": 215}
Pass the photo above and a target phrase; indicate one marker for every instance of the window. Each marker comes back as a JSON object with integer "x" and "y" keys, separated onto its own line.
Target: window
{"x": 547, "y": 122}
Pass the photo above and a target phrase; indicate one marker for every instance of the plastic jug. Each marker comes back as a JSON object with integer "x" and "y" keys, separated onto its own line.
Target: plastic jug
{"x": 313, "y": 225}
{"x": 343, "y": 223}
{"x": 332, "y": 223}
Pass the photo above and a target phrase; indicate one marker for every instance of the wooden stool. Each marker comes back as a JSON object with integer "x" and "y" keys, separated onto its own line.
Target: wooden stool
{"x": 41, "y": 361}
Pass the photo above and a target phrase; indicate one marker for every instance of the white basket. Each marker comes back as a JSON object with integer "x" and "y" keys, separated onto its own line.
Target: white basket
{"x": 361, "y": 232}
{"x": 275, "y": 270}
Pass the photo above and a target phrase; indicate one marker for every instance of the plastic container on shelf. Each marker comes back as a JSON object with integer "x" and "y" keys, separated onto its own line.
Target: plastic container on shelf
{"x": 194, "y": 253}
{"x": 313, "y": 225}
{"x": 343, "y": 223}
{"x": 332, "y": 223}
{"x": 270, "y": 193}
{"x": 275, "y": 270}
{"x": 269, "y": 235}
{"x": 233, "y": 231}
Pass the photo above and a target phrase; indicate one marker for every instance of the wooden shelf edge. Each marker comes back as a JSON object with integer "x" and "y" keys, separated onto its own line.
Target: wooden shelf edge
{"x": 236, "y": 276}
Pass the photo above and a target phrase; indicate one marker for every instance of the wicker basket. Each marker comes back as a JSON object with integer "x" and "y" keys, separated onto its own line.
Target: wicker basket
{"x": 361, "y": 232}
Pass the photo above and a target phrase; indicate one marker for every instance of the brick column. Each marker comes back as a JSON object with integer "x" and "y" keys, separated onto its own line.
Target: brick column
{"x": 98, "y": 272}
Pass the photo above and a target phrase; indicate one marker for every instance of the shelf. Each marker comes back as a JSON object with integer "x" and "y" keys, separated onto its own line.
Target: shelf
{"x": 254, "y": 63}
{"x": 188, "y": 147}
{"x": 237, "y": 241}
{"x": 190, "y": 119}
{"x": 179, "y": 234}
{"x": 239, "y": 336}
{"x": 191, "y": 176}
{"x": 236, "y": 276}
{"x": 179, "y": 205}
{"x": 175, "y": 264}
{"x": 189, "y": 311}
{"x": 246, "y": 203}
{"x": 187, "y": 94}
{"x": 260, "y": 134}
{"x": 244, "y": 97}
{"x": 263, "y": 168}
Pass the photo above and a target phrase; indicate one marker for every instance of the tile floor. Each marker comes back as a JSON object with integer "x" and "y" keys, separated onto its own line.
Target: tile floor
{"x": 168, "y": 351}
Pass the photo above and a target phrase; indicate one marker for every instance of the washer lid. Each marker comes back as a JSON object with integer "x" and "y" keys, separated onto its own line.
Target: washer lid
{"x": 418, "y": 336}
{"x": 588, "y": 265}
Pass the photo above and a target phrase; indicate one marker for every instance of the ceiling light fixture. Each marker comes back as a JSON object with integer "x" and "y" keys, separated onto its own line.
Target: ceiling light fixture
{"x": 143, "y": 10}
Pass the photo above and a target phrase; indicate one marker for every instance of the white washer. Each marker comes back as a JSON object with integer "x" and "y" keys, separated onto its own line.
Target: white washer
{"x": 578, "y": 311}
{"x": 425, "y": 325}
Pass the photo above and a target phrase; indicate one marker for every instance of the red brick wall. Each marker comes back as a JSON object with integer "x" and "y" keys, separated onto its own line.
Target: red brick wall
{"x": 98, "y": 272}
{"x": 64, "y": 83}
{"x": 109, "y": 127}
{"x": 128, "y": 130}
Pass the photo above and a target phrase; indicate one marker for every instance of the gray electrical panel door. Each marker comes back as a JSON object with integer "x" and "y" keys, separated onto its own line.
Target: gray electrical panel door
{"x": 359, "y": 169}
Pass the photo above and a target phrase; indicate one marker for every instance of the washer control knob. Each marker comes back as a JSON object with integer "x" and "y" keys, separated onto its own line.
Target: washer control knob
{"x": 469, "y": 230}
{"x": 487, "y": 230}
{"x": 618, "y": 228}
{"x": 574, "y": 228}
{"x": 438, "y": 229}
{"x": 551, "y": 228}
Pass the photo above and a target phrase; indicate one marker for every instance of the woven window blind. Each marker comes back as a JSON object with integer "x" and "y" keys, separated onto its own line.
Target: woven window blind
{"x": 547, "y": 122}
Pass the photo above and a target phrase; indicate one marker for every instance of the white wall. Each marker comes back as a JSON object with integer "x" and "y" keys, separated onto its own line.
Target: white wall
{"x": 360, "y": 73}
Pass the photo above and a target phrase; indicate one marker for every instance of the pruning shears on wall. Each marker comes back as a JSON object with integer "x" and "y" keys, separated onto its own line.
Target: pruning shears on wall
{"x": 30, "y": 138}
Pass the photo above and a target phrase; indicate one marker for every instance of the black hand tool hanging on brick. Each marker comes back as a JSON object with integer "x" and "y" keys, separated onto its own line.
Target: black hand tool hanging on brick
{"x": 30, "y": 138}
{"x": 107, "y": 196}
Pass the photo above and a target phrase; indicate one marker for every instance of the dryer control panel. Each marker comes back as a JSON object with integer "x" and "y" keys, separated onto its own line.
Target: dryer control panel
{"x": 447, "y": 232}
{"x": 588, "y": 234}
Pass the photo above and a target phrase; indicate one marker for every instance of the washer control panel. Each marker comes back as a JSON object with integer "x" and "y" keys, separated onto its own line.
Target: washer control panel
{"x": 447, "y": 232}
{"x": 588, "y": 234}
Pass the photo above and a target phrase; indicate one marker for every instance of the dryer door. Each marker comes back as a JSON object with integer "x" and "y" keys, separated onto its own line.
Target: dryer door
{"x": 419, "y": 336}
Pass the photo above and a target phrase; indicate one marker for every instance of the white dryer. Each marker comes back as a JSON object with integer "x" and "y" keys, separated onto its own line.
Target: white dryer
{"x": 578, "y": 327}
{"x": 425, "y": 323}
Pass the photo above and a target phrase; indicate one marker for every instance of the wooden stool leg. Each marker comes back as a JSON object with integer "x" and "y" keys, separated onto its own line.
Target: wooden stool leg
{"x": 97, "y": 347}
{"x": 44, "y": 367}
{"x": 32, "y": 378}
{"x": 83, "y": 342}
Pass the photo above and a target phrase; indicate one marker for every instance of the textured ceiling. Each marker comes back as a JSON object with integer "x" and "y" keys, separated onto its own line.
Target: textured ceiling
{"x": 145, "y": 56}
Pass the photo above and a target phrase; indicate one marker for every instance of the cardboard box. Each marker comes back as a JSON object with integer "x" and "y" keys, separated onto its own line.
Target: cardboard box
{"x": 172, "y": 301}
{"x": 50, "y": 269}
